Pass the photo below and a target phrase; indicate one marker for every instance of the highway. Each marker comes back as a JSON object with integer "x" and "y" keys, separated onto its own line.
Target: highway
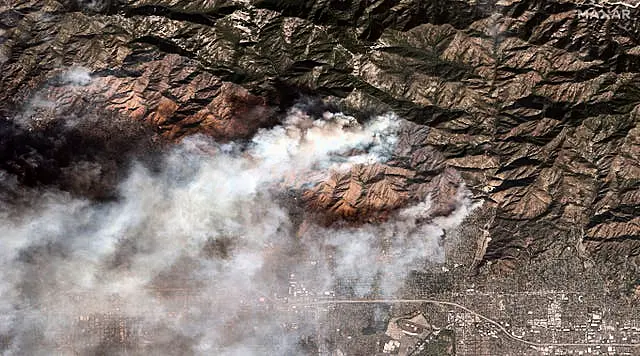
{"x": 459, "y": 306}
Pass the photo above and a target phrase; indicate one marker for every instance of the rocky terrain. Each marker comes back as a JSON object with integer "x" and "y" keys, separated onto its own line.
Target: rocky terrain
{"x": 533, "y": 107}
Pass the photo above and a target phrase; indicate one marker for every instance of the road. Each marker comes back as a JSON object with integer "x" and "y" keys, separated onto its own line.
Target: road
{"x": 459, "y": 306}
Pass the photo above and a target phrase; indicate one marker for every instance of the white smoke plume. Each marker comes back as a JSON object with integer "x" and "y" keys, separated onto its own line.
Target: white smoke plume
{"x": 379, "y": 257}
{"x": 76, "y": 76}
{"x": 71, "y": 78}
{"x": 191, "y": 259}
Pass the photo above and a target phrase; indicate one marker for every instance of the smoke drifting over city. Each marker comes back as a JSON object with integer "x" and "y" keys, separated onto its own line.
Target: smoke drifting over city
{"x": 197, "y": 249}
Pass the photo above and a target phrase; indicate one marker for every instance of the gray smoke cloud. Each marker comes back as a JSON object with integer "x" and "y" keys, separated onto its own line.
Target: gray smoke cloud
{"x": 76, "y": 76}
{"x": 194, "y": 258}
{"x": 40, "y": 108}
{"x": 379, "y": 257}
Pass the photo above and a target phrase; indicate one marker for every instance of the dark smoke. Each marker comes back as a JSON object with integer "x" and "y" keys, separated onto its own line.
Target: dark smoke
{"x": 87, "y": 159}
